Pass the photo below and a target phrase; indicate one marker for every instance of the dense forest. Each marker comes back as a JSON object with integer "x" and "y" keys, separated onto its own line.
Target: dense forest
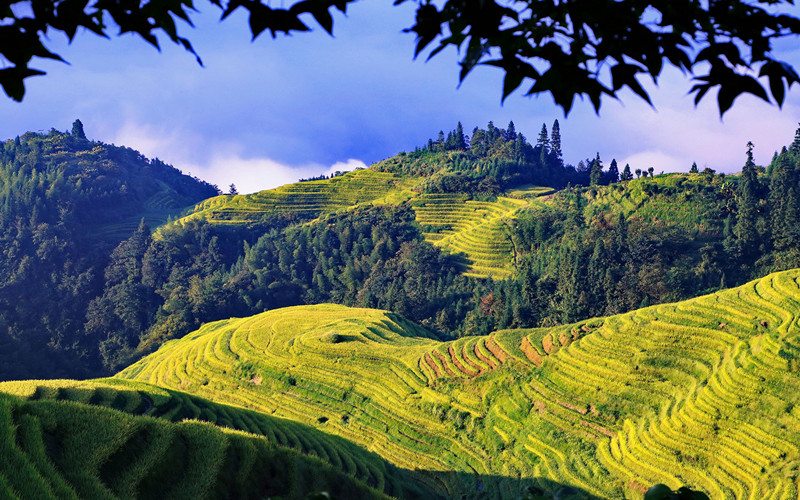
{"x": 65, "y": 203}
{"x": 87, "y": 301}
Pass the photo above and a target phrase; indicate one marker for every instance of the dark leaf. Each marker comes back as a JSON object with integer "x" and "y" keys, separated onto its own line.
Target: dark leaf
{"x": 12, "y": 80}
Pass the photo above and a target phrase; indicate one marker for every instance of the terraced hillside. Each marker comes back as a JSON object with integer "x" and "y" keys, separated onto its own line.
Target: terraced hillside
{"x": 475, "y": 229}
{"x": 674, "y": 200}
{"x": 65, "y": 450}
{"x": 292, "y": 438}
{"x": 307, "y": 199}
{"x": 156, "y": 211}
{"x": 701, "y": 393}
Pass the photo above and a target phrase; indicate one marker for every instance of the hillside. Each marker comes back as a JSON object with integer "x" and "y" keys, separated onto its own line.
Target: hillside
{"x": 65, "y": 203}
{"x": 303, "y": 200}
{"x": 463, "y": 237}
{"x": 476, "y": 231}
{"x": 430, "y": 235}
{"x": 57, "y": 450}
{"x": 699, "y": 392}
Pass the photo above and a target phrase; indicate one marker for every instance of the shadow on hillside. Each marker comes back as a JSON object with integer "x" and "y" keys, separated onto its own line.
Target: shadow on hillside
{"x": 471, "y": 486}
{"x": 314, "y": 441}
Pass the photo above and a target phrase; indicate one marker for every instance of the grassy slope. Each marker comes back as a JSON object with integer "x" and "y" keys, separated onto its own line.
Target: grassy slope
{"x": 57, "y": 449}
{"x": 674, "y": 200}
{"x": 308, "y": 199}
{"x": 700, "y": 392}
{"x": 367, "y": 474}
{"x": 477, "y": 231}
{"x": 474, "y": 229}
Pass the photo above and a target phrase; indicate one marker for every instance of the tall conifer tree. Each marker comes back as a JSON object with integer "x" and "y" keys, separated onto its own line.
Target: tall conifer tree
{"x": 745, "y": 231}
{"x": 613, "y": 172}
{"x": 555, "y": 142}
{"x": 596, "y": 171}
{"x": 543, "y": 141}
{"x": 77, "y": 130}
{"x": 461, "y": 139}
{"x": 511, "y": 132}
{"x": 626, "y": 173}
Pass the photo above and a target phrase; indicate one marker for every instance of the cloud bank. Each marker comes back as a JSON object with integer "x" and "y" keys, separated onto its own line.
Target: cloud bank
{"x": 225, "y": 165}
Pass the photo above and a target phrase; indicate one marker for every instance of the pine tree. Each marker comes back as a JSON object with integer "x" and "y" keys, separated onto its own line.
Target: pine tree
{"x": 693, "y": 170}
{"x": 511, "y": 132}
{"x": 461, "y": 139}
{"x": 232, "y": 189}
{"x": 555, "y": 142}
{"x": 77, "y": 130}
{"x": 492, "y": 133}
{"x": 596, "y": 171}
{"x": 626, "y": 173}
{"x": 613, "y": 172}
{"x": 745, "y": 230}
{"x": 450, "y": 142}
{"x": 543, "y": 141}
{"x": 795, "y": 147}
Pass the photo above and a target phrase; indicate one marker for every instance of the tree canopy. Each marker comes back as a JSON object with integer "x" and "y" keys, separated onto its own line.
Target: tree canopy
{"x": 567, "y": 49}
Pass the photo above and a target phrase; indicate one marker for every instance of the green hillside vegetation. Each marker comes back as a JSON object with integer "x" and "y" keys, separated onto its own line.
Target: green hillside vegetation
{"x": 477, "y": 230}
{"x": 438, "y": 179}
{"x": 65, "y": 450}
{"x": 697, "y": 393}
{"x": 142, "y": 399}
{"x": 303, "y": 200}
{"x": 452, "y": 236}
{"x": 575, "y": 253}
{"x": 65, "y": 203}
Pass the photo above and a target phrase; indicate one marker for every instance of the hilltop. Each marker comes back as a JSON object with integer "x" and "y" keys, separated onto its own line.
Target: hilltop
{"x": 65, "y": 203}
{"x": 698, "y": 393}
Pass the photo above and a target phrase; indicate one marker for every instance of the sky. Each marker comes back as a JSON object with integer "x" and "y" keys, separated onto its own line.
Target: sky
{"x": 266, "y": 113}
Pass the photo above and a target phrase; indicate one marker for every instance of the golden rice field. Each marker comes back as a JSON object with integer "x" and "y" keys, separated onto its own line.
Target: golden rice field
{"x": 60, "y": 449}
{"x": 699, "y": 393}
{"x": 477, "y": 230}
{"x": 308, "y": 199}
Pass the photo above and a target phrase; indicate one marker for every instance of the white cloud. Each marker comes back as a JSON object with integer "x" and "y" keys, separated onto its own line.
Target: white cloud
{"x": 346, "y": 166}
{"x": 659, "y": 160}
{"x": 225, "y": 165}
{"x": 256, "y": 174}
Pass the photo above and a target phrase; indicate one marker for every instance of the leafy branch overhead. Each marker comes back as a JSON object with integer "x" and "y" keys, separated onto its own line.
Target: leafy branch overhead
{"x": 597, "y": 47}
{"x": 567, "y": 48}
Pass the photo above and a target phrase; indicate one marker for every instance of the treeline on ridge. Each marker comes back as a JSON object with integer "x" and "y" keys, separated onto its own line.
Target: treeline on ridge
{"x": 490, "y": 161}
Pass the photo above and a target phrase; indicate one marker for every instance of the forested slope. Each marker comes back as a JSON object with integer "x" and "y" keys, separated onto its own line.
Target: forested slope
{"x": 65, "y": 203}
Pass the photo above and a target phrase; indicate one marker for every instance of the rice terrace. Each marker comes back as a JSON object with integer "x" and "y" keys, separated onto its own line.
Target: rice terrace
{"x": 326, "y": 299}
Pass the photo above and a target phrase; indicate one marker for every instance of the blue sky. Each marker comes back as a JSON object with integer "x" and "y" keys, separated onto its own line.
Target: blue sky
{"x": 263, "y": 114}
